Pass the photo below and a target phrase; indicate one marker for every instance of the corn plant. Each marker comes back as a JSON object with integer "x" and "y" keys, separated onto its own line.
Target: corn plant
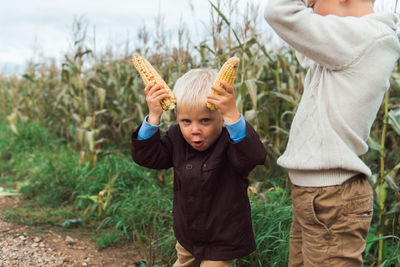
{"x": 94, "y": 100}
{"x": 387, "y": 178}
{"x": 102, "y": 200}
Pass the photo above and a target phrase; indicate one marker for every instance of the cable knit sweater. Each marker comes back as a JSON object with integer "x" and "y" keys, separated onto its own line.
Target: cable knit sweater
{"x": 349, "y": 62}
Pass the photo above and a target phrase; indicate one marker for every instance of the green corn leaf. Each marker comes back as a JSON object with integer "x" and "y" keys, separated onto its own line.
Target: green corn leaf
{"x": 394, "y": 209}
{"x": 373, "y": 144}
{"x": 382, "y": 238}
{"x": 394, "y": 120}
{"x": 90, "y": 135}
{"x": 92, "y": 198}
{"x": 227, "y": 22}
{"x": 252, "y": 89}
{"x": 102, "y": 96}
{"x": 8, "y": 192}
{"x": 71, "y": 222}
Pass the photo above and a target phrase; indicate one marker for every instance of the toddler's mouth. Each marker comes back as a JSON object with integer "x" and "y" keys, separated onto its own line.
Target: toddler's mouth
{"x": 197, "y": 143}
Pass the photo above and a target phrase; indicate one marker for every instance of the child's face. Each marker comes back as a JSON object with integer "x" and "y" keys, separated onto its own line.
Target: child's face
{"x": 200, "y": 128}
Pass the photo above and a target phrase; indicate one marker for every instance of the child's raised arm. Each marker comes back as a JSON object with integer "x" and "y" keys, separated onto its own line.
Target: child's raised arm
{"x": 154, "y": 95}
{"x": 151, "y": 123}
{"x": 225, "y": 101}
{"x": 332, "y": 41}
{"x": 148, "y": 148}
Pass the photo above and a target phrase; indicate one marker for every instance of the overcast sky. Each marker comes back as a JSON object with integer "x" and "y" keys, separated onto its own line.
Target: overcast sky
{"x": 32, "y": 27}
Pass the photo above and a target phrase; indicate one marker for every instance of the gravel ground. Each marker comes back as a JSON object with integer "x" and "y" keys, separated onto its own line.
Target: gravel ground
{"x": 24, "y": 246}
{"x": 23, "y": 250}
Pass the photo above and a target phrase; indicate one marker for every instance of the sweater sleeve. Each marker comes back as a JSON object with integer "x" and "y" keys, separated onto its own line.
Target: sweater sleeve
{"x": 248, "y": 152}
{"x": 237, "y": 130}
{"x": 154, "y": 152}
{"x": 332, "y": 41}
{"x": 147, "y": 130}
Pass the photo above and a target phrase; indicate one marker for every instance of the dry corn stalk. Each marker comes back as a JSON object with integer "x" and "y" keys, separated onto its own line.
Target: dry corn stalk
{"x": 227, "y": 73}
{"x": 150, "y": 75}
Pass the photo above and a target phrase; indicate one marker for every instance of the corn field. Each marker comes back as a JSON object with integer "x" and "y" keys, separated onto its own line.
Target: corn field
{"x": 94, "y": 101}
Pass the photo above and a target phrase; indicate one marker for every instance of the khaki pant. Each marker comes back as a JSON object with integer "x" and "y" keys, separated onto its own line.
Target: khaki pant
{"x": 185, "y": 259}
{"x": 330, "y": 224}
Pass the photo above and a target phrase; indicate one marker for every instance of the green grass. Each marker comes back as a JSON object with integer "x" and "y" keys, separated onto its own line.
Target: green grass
{"x": 49, "y": 177}
{"x": 60, "y": 192}
{"x": 107, "y": 238}
{"x": 271, "y": 215}
{"x": 30, "y": 213}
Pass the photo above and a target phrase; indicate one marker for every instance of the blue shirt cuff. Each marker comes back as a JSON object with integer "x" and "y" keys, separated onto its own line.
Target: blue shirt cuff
{"x": 237, "y": 130}
{"x": 147, "y": 130}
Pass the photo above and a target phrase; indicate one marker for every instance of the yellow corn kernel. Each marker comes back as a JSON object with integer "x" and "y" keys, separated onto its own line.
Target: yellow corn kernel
{"x": 227, "y": 73}
{"x": 150, "y": 75}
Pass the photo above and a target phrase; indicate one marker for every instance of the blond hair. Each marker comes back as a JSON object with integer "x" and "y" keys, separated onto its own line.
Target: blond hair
{"x": 193, "y": 87}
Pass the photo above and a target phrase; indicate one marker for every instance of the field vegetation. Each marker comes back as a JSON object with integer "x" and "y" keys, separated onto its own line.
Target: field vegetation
{"x": 65, "y": 132}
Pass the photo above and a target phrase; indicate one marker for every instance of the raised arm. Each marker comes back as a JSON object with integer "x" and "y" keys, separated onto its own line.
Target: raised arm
{"x": 332, "y": 41}
{"x": 154, "y": 152}
{"x": 148, "y": 148}
{"x": 248, "y": 152}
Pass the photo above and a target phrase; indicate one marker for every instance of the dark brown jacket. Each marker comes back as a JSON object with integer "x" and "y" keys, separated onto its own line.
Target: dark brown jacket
{"x": 211, "y": 210}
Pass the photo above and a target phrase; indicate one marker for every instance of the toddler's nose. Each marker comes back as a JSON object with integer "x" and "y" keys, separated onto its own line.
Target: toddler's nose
{"x": 195, "y": 130}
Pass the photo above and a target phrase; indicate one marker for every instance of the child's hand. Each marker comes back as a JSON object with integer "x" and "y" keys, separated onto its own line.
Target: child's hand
{"x": 225, "y": 101}
{"x": 154, "y": 94}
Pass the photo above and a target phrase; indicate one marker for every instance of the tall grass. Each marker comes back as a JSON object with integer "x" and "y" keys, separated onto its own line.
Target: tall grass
{"x": 140, "y": 203}
{"x": 92, "y": 102}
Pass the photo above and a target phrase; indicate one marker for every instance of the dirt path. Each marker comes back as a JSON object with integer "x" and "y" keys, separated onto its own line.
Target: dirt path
{"x": 38, "y": 246}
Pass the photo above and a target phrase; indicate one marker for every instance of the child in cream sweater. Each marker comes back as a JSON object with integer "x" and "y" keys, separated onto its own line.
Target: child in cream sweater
{"x": 349, "y": 53}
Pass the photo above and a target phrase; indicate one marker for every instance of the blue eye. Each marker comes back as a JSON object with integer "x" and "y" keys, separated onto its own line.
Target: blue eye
{"x": 205, "y": 120}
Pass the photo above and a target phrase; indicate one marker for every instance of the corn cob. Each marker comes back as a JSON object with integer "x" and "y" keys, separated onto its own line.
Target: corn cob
{"x": 150, "y": 75}
{"x": 227, "y": 73}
